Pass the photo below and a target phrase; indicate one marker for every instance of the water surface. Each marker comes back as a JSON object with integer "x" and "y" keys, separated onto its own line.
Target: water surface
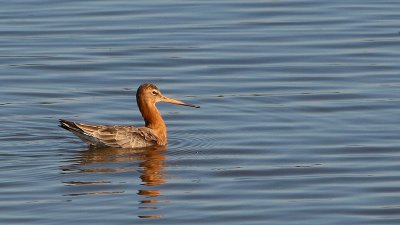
{"x": 298, "y": 121}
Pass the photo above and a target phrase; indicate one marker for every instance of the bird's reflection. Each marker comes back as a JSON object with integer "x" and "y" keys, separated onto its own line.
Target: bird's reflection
{"x": 150, "y": 162}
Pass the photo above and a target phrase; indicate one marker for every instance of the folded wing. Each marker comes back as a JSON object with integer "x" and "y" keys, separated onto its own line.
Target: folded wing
{"x": 112, "y": 136}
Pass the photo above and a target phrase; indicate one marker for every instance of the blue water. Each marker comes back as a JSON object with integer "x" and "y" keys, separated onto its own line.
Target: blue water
{"x": 299, "y": 117}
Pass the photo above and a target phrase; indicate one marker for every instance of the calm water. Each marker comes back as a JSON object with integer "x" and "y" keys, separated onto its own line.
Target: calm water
{"x": 299, "y": 118}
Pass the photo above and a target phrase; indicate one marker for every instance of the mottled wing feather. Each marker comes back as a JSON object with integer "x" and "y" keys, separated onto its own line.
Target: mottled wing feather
{"x": 129, "y": 136}
{"x": 120, "y": 136}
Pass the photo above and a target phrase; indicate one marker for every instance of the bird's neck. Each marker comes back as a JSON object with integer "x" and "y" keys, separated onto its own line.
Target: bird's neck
{"x": 154, "y": 120}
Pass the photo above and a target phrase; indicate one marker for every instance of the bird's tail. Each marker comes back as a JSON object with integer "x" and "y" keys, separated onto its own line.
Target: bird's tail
{"x": 84, "y": 136}
{"x": 68, "y": 125}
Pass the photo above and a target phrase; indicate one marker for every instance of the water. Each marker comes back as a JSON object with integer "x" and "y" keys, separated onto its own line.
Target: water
{"x": 299, "y": 117}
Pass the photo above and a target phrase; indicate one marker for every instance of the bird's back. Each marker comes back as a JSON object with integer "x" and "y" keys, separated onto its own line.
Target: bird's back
{"x": 118, "y": 136}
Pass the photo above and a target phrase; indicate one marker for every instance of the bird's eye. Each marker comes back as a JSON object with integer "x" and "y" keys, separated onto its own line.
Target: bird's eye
{"x": 154, "y": 93}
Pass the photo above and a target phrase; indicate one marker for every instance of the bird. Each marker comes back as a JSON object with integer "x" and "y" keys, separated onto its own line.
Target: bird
{"x": 154, "y": 133}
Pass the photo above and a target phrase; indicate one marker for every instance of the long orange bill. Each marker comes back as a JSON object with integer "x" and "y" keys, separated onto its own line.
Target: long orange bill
{"x": 177, "y": 102}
